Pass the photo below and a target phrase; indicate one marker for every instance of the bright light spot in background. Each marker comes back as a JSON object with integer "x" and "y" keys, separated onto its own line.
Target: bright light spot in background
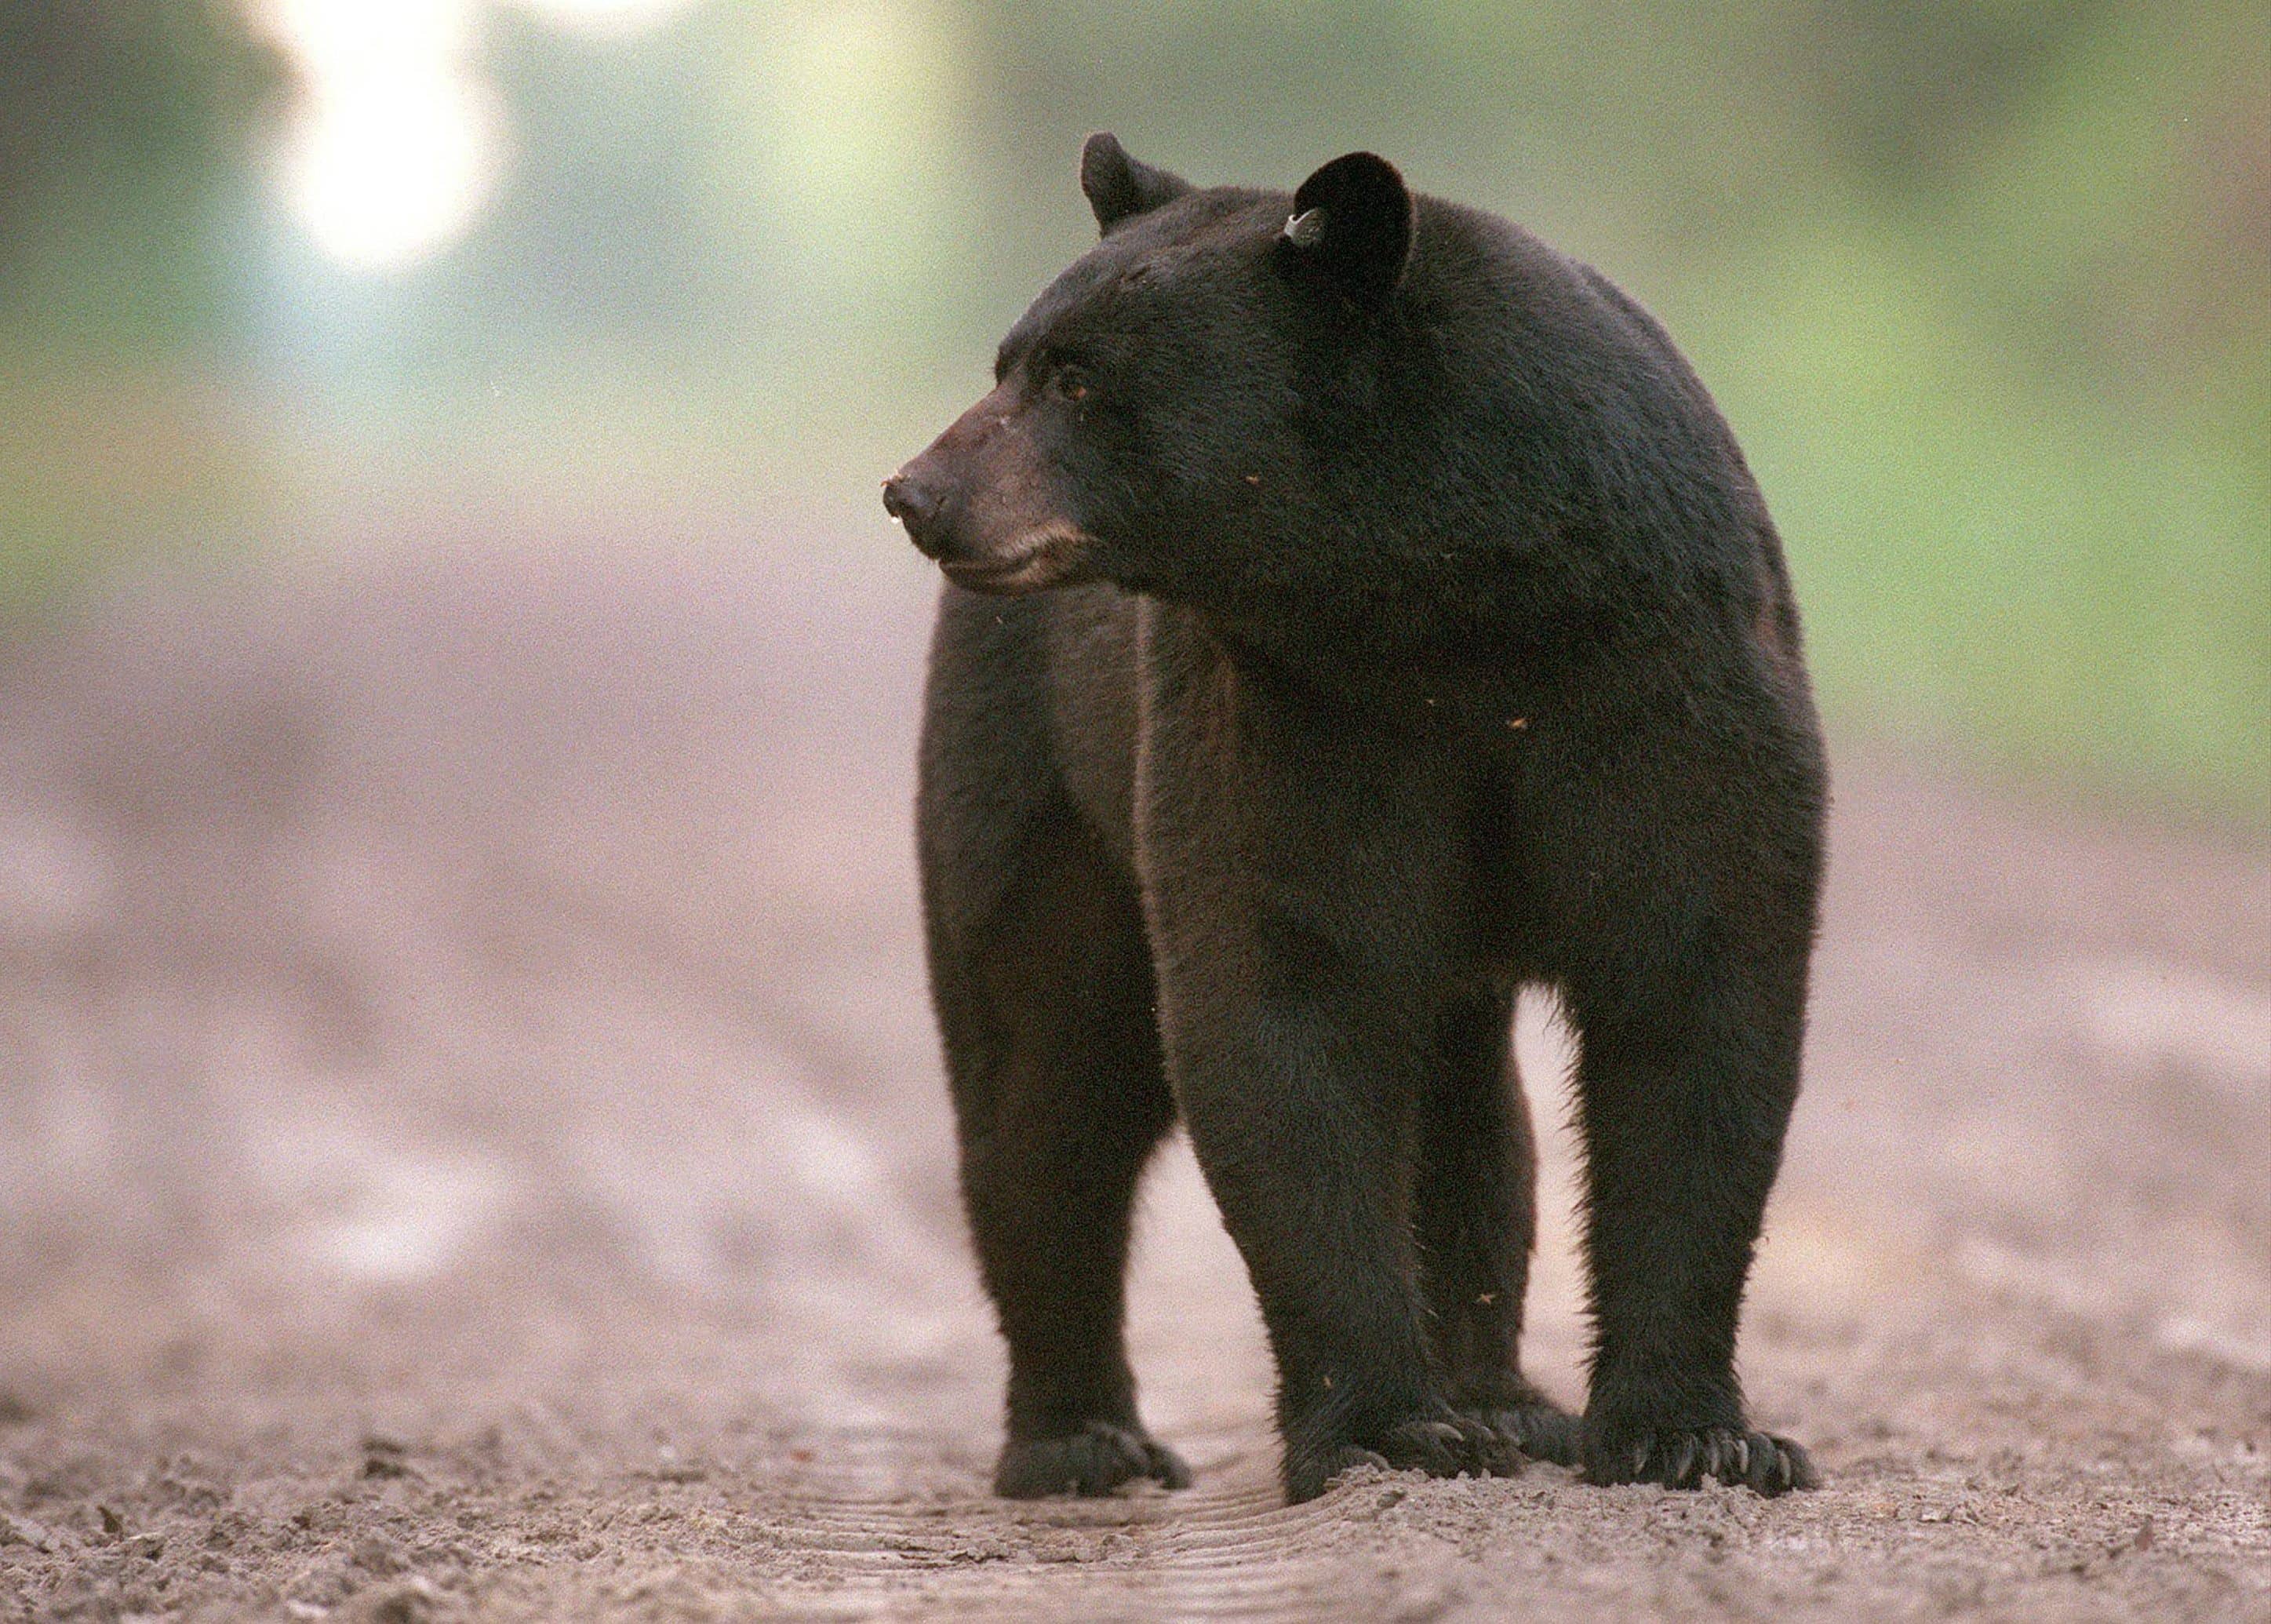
{"x": 387, "y": 173}
{"x": 397, "y": 143}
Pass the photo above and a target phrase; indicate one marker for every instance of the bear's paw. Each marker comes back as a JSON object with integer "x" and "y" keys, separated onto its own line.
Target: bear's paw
{"x": 1096, "y": 1460}
{"x": 1541, "y": 1431}
{"x": 1681, "y": 1458}
{"x": 1451, "y": 1447}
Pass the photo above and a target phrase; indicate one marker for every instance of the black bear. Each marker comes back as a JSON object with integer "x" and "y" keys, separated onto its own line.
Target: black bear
{"x": 1357, "y": 611}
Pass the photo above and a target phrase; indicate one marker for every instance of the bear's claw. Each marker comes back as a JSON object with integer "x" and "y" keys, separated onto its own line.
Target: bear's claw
{"x": 1450, "y": 1446}
{"x": 1762, "y": 1462}
{"x": 1540, "y": 1431}
{"x": 1096, "y": 1460}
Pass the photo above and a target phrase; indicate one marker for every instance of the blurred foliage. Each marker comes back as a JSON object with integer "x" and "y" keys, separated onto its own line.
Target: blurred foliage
{"x": 125, "y": 131}
{"x": 1985, "y": 286}
{"x": 124, "y": 124}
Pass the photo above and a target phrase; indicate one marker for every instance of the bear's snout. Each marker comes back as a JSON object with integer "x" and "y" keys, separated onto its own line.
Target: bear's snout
{"x": 985, "y": 501}
{"x": 915, "y": 504}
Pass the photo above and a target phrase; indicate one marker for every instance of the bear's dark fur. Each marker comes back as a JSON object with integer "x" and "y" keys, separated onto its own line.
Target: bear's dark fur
{"x": 1418, "y": 633}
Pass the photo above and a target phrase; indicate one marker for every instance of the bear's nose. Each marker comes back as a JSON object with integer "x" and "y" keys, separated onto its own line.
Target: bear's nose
{"x": 911, "y": 503}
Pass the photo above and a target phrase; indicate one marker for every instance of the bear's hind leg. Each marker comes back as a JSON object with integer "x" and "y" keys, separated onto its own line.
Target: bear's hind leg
{"x": 1054, "y": 1055}
{"x": 1685, "y": 1098}
{"x": 1475, "y": 1212}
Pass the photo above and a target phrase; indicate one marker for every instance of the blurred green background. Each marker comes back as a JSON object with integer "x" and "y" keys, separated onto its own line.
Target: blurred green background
{"x": 1984, "y": 288}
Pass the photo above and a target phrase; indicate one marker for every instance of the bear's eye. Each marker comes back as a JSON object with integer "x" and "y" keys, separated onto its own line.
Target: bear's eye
{"x": 1069, "y": 384}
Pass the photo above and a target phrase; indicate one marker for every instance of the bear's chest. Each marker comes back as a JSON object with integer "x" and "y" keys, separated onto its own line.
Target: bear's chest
{"x": 1403, "y": 785}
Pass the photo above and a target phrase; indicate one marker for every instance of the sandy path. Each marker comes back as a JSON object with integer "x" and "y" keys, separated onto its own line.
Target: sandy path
{"x": 471, "y": 1145}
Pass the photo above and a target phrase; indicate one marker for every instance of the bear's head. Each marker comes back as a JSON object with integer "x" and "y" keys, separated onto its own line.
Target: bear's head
{"x": 1168, "y": 413}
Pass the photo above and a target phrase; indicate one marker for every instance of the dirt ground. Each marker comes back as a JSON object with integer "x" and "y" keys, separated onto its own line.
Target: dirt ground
{"x": 472, "y": 1146}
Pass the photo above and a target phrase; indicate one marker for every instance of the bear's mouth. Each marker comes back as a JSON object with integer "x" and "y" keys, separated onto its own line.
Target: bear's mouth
{"x": 1034, "y": 563}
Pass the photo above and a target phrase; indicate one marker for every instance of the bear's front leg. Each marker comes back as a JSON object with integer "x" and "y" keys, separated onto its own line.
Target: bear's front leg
{"x": 1298, "y": 1102}
{"x": 1475, "y": 1217}
{"x": 1303, "y": 892}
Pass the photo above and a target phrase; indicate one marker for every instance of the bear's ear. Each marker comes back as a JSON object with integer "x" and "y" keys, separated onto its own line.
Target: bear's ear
{"x": 1351, "y": 229}
{"x": 1118, "y": 187}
